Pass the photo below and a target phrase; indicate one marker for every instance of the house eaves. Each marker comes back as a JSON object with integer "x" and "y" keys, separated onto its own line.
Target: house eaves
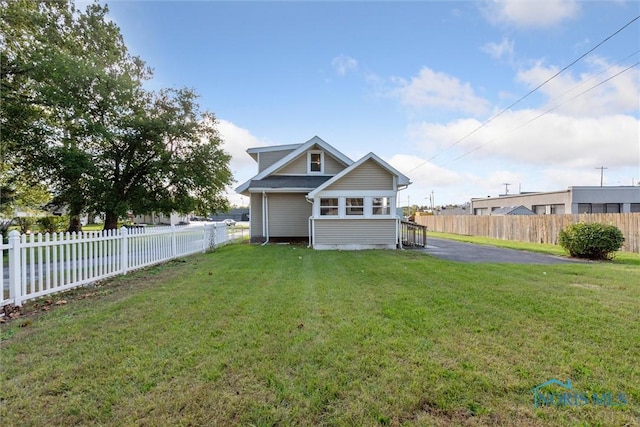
{"x": 402, "y": 179}
{"x": 287, "y": 183}
{"x": 292, "y": 156}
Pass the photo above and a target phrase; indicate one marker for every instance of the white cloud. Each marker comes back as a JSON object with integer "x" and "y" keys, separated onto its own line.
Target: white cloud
{"x": 503, "y": 50}
{"x": 581, "y": 95}
{"x": 422, "y": 172}
{"x": 531, "y": 14}
{"x": 236, "y": 142}
{"x": 549, "y": 140}
{"x": 343, "y": 64}
{"x": 438, "y": 90}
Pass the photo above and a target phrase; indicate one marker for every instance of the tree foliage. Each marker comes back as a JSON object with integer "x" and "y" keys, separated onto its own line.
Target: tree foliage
{"x": 592, "y": 241}
{"x": 76, "y": 116}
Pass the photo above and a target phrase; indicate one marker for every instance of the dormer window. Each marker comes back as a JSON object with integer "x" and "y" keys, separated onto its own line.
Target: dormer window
{"x": 315, "y": 162}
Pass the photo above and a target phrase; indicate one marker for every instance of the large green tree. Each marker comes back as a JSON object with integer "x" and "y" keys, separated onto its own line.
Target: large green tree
{"x": 26, "y": 28}
{"x": 80, "y": 120}
{"x": 168, "y": 157}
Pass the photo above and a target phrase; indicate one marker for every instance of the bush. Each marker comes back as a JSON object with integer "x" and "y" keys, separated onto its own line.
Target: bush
{"x": 52, "y": 224}
{"x": 25, "y": 223}
{"x": 592, "y": 241}
{"x": 4, "y": 229}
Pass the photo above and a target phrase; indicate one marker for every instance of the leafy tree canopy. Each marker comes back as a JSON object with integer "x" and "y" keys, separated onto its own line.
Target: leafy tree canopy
{"x": 76, "y": 118}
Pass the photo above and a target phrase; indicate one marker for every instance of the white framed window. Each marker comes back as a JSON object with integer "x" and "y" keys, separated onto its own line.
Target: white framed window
{"x": 329, "y": 206}
{"x": 343, "y": 206}
{"x": 380, "y": 206}
{"x": 315, "y": 162}
{"x": 354, "y": 206}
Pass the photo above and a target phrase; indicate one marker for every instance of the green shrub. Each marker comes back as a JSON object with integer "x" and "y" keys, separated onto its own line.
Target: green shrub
{"x": 52, "y": 224}
{"x": 592, "y": 241}
{"x": 25, "y": 223}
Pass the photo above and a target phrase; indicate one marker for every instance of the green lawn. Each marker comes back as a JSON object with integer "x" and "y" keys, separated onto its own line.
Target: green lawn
{"x": 284, "y": 335}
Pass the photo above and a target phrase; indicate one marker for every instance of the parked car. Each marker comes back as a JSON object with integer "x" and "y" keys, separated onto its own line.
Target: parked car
{"x": 229, "y": 222}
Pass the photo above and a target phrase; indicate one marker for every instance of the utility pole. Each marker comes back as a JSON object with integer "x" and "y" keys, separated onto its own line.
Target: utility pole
{"x": 602, "y": 168}
{"x": 506, "y": 187}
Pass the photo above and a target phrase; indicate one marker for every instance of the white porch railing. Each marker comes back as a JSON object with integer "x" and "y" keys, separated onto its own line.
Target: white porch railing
{"x": 38, "y": 265}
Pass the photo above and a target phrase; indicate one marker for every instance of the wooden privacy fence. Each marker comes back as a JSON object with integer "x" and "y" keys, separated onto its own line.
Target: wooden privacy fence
{"x": 37, "y": 265}
{"x": 531, "y": 228}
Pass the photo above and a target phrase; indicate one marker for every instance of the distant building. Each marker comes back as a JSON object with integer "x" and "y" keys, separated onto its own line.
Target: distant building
{"x": 160, "y": 219}
{"x": 236, "y": 214}
{"x": 574, "y": 200}
{"x": 512, "y": 210}
{"x": 452, "y": 210}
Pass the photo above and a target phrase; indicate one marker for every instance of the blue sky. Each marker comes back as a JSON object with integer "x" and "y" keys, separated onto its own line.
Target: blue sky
{"x": 411, "y": 81}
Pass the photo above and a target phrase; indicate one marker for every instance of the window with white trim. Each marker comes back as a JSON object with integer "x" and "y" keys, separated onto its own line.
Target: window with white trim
{"x": 315, "y": 162}
{"x": 354, "y": 206}
{"x": 329, "y": 206}
{"x": 380, "y": 206}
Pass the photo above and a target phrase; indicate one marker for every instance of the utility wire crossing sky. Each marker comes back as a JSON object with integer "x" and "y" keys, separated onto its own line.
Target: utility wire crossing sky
{"x": 534, "y": 93}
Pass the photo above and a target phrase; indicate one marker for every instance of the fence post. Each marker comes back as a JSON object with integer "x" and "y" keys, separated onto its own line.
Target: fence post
{"x": 124, "y": 250}
{"x": 174, "y": 242}
{"x": 205, "y": 238}
{"x": 15, "y": 290}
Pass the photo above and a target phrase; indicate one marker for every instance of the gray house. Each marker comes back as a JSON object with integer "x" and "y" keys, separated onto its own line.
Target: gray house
{"x": 512, "y": 210}
{"x": 313, "y": 192}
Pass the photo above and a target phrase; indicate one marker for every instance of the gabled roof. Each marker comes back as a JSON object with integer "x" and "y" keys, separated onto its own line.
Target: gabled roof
{"x": 402, "y": 179}
{"x": 301, "y": 148}
{"x": 513, "y": 210}
{"x": 253, "y": 152}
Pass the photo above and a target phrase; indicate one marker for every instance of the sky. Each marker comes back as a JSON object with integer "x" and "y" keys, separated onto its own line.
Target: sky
{"x": 468, "y": 99}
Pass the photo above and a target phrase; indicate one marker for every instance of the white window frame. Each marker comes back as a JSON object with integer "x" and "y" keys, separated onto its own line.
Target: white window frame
{"x": 309, "y": 157}
{"x": 386, "y": 206}
{"x": 336, "y": 206}
{"x": 363, "y": 207}
{"x": 367, "y": 197}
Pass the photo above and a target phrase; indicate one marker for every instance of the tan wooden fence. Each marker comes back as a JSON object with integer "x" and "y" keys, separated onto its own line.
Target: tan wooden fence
{"x": 531, "y": 228}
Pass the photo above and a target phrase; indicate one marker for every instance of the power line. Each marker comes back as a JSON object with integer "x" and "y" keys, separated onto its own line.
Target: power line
{"x": 593, "y": 77}
{"x": 527, "y": 94}
{"x": 545, "y": 112}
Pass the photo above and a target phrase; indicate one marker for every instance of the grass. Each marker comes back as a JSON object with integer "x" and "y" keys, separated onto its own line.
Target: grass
{"x": 284, "y": 335}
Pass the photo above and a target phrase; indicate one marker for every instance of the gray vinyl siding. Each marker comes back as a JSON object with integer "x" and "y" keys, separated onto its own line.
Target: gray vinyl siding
{"x": 267, "y": 158}
{"x": 355, "y": 232}
{"x": 255, "y": 221}
{"x": 331, "y": 165}
{"x": 288, "y": 215}
{"x": 367, "y": 176}
{"x": 299, "y": 166}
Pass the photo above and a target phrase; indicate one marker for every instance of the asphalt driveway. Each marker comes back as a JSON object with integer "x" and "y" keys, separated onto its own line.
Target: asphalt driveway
{"x": 469, "y": 252}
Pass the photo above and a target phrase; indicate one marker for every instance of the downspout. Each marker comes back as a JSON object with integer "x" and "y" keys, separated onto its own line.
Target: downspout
{"x": 310, "y": 224}
{"x": 399, "y": 233}
{"x": 265, "y": 217}
{"x": 398, "y": 220}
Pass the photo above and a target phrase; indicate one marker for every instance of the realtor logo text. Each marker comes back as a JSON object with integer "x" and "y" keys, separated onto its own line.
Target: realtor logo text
{"x": 566, "y": 396}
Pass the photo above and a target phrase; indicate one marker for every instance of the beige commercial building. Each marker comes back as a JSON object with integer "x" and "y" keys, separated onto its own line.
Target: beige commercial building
{"x": 574, "y": 200}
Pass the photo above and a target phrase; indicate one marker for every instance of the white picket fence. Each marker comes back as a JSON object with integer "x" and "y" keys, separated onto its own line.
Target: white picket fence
{"x": 36, "y": 265}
